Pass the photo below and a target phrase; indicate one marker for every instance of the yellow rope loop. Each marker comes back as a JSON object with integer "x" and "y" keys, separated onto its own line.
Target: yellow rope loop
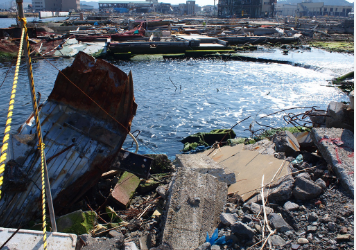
{"x": 6, "y": 138}
{"x": 24, "y": 21}
{"x": 42, "y": 147}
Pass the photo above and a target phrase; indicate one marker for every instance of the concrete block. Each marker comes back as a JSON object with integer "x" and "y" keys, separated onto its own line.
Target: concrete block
{"x": 77, "y": 222}
{"x": 125, "y": 188}
{"x": 195, "y": 203}
{"x": 336, "y": 145}
{"x": 337, "y": 116}
{"x": 206, "y": 165}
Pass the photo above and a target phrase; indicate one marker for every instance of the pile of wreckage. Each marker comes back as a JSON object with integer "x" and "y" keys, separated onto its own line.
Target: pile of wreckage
{"x": 291, "y": 191}
{"x": 130, "y": 37}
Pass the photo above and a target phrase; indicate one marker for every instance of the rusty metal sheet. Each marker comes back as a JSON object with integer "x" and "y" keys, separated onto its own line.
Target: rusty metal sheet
{"x": 69, "y": 118}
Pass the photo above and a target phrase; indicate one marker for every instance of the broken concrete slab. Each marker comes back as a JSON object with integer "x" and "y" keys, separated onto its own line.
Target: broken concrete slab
{"x": 125, "y": 188}
{"x": 337, "y": 147}
{"x": 248, "y": 166}
{"x": 205, "y": 165}
{"x": 31, "y": 239}
{"x": 195, "y": 203}
{"x": 77, "y": 222}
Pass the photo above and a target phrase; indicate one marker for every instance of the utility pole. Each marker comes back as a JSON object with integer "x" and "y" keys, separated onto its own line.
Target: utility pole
{"x": 214, "y": 8}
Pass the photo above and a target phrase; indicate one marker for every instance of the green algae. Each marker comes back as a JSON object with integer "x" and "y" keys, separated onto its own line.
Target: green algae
{"x": 334, "y": 46}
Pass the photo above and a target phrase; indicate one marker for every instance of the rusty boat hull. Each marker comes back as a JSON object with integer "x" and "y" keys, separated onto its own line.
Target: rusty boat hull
{"x": 81, "y": 139}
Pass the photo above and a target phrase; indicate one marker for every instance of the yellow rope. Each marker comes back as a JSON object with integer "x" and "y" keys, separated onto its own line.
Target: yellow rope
{"x": 41, "y": 145}
{"x": 43, "y": 196}
{"x": 6, "y": 138}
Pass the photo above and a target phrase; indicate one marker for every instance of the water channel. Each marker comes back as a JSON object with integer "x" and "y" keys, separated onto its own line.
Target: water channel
{"x": 210, "y": 94}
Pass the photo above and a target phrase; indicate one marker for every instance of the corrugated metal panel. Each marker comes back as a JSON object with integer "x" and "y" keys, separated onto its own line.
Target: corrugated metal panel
{"x": 71, "y": 121}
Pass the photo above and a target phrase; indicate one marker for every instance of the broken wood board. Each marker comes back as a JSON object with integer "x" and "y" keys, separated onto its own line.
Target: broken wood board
{"x": 249, "y": 167}
{"x": 194, "y": 207}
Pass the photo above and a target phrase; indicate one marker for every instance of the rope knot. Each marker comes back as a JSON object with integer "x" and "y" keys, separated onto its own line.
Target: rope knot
{"x": 41, "y": 146}
{"x": 24, "y": 20}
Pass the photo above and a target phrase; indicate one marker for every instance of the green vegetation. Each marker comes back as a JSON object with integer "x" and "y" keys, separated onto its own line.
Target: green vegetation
{"x": 114, "y": 217}
{"x": 269, "y": 133}
{"x": 334, "y": 46}
{"x": 7, "y": 55}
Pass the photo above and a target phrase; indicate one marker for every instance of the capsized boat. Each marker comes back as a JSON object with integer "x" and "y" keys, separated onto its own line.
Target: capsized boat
{"x": 81, "y": 140}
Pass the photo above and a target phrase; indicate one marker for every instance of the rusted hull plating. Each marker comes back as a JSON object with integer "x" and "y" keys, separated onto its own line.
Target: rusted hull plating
{"x": 81, "y": 139}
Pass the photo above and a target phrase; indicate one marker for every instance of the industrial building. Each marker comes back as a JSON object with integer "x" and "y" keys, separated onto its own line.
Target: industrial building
{"x": 240, "y": 8}
{"x": 55, "y": 5}
{"x": 268, "y": 8}
{"x": 126, "y": 6}
{"x": 311, "y": 9}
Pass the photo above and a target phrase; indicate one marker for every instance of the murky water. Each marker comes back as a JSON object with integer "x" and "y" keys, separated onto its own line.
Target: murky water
{"x": 210, "y": 93}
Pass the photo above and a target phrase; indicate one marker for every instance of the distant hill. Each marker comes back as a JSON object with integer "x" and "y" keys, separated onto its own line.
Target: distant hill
{"x": 326, "y": 2}
{"x": 94, "y": 4}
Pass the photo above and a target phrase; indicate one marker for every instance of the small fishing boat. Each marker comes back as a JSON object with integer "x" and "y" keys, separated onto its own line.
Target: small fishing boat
{"x": 85, "y": 121}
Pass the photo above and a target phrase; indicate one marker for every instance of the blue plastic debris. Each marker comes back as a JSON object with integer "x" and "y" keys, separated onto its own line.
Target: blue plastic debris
{"x": 214, "y": 240}
{"x": 298, "y": 160}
